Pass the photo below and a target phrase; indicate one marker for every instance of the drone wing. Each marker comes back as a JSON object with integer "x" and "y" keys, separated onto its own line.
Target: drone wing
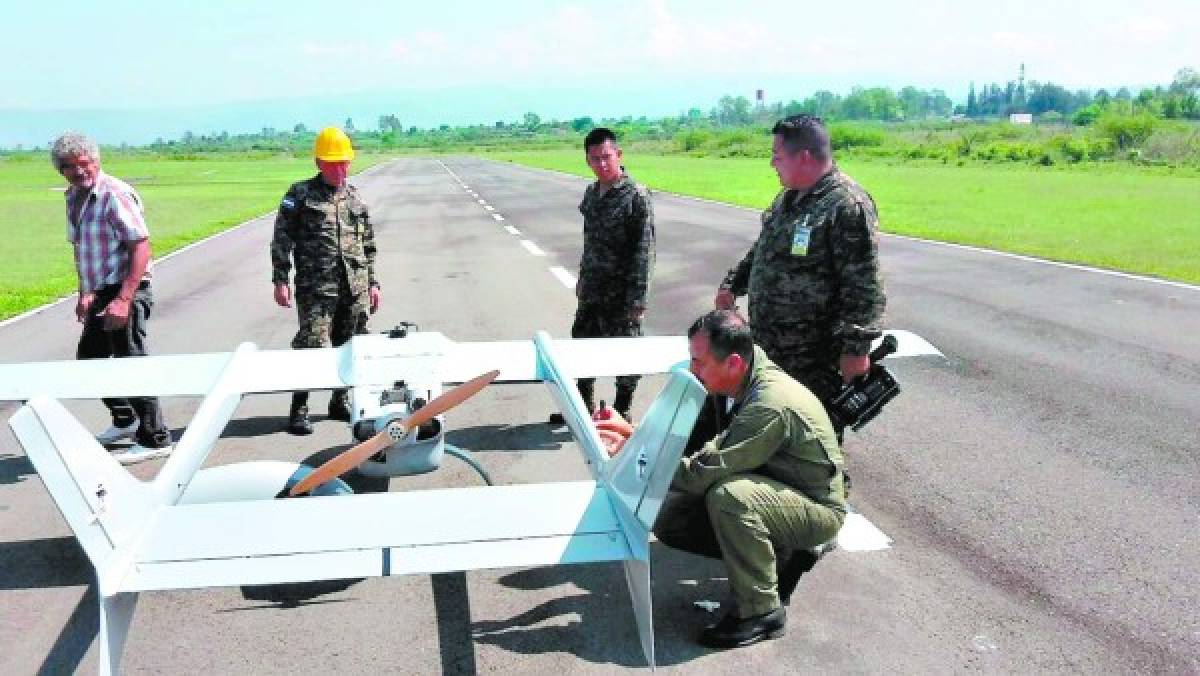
{"x": 581, "y": 357}
{"x": 171, "y": 375}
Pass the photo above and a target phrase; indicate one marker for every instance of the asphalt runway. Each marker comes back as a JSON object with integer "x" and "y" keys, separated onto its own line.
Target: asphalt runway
{"x": 1041, "y": 483}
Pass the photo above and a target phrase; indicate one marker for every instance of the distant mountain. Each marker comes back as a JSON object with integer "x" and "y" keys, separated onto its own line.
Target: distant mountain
{"x": 424, "y": 109}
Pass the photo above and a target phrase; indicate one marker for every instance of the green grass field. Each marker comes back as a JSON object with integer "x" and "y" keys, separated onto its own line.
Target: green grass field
{"x": 1120, "y": 218}
{"x": 186, "y": 200}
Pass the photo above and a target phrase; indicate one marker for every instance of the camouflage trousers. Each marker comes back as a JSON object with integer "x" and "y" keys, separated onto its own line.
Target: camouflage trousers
{"x": 593, "y": 321}
{"x": 326, "y": 320}
{"x": 744, "y": 520}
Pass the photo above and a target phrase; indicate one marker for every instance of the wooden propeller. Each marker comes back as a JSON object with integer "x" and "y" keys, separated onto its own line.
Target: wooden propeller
{"x": 393, "y": 432}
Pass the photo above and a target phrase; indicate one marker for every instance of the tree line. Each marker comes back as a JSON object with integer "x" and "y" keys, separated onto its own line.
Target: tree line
{"x": 1178, "y": 100}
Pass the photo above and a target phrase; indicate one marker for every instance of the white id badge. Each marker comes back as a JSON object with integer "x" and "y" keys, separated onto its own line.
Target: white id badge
{"x": 800, "y": 237}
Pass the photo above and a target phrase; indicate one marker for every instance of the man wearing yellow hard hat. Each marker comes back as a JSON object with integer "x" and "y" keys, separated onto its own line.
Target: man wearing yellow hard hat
{"x": 324, "y": 227}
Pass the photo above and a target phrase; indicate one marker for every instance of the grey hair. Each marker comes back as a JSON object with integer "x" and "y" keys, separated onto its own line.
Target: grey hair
{"x": 72, "y": 144}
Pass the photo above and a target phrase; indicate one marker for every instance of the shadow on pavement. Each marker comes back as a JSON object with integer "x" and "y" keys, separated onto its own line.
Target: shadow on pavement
{"x": 38, "y": 564}
{"x": 75, "y": 638}
{"x": 55, "y": 562}
{"x": 258, "y": 426}
{"x": 523, "y": 437}
{"x": 605, "y": 631}
{"x": 453, "y": 609}
{"x": 14, "y": 468}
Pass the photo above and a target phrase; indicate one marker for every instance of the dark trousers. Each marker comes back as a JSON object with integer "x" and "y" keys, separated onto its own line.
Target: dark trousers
{"x": 130, "y": 341}
{"x": 593, "y": 321}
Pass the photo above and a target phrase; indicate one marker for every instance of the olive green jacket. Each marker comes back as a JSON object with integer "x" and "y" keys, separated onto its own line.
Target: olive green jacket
{"x": 780, "y": 430}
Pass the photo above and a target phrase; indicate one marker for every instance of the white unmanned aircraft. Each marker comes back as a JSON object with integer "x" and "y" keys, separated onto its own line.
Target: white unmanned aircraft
{"x": 221, "y": 526}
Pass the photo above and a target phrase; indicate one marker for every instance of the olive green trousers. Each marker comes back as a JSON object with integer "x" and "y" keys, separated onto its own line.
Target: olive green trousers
{"x": 744, "y": 520}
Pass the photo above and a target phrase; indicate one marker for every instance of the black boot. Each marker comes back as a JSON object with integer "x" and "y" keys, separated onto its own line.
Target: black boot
{"x": 587, "y": 387}
{"x": 587, "y": 392}
{"x": 624, "y": 400}
{"x": 298, "y": 415}
{"x": 733, "y": 632}
{"x": 788, "y": 569}
{"x": 339, "y": 406}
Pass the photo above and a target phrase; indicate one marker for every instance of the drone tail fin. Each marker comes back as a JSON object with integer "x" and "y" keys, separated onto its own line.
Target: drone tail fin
{"x": 103, "y": 504}
{"x": 638, "y": 480}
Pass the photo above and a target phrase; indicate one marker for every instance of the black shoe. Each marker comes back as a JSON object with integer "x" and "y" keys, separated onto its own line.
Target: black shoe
{"x": 732, "y": 632}
{"x": 788, "y": 570}
{"x": 339, "y": 407}
{"x": 298, "y": 421}
{"x": 623, "y": 402}
{"x": 558, "y": 420}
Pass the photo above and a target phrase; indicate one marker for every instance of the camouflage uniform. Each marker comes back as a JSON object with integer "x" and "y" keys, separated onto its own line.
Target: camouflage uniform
{"x": 614, "y": 271}
{"x": 329, "y": 235}
{"x": 813, "y": 279}
{"x": 771, "y": 480}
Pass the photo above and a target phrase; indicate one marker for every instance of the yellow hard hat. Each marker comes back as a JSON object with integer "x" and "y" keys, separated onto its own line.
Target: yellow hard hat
{"x": 333, "y": 146}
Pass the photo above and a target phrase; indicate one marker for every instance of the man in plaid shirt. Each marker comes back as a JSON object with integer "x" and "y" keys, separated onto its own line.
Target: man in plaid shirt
{"x": 112, "y": 258}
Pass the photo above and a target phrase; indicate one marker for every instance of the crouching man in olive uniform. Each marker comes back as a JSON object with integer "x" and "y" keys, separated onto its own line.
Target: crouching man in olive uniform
{"x": 765, "y": 495}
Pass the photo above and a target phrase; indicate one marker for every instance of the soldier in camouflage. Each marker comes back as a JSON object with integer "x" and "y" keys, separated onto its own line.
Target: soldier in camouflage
{"x": 324, "y": 226}
{"x": 617, "y": 261}
{"x": 813, "y": 274}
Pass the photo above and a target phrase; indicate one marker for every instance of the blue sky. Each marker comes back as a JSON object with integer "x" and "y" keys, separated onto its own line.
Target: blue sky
{"x": 462, "y": 62}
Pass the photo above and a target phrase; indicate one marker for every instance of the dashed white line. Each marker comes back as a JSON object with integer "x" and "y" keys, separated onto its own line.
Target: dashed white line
{"x": 511, "y": 230}
{"x": 482, "y": 201}
{"x": 567, "y": 279}
{"x": 498, "y": 217}
{"x": 449, "y": 171}
{"x": 489, "y": 207}
{"x": 532, "y": 248}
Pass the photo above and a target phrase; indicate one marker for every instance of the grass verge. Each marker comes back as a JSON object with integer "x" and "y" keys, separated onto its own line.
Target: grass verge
{"x": 1117, "y": 218}
{"x": 186, "y": 200}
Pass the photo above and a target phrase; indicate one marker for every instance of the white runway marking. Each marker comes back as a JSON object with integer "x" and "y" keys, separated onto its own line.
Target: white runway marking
{"x": 860, "y": 535}
{"x": 489, "y": 207}
{"x": 1057, "y": 264}
{"x": 567, "y": 279}
{"x": 498, "y": 217}
{"x": 449, "y": 171}
{"x": 511, "y": 230}
{"x": 532, "y": 248}
{"x": 482, "y": 201}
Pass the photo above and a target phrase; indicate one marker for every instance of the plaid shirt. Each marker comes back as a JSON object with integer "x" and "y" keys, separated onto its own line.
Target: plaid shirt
{"x": 98, "y": 222}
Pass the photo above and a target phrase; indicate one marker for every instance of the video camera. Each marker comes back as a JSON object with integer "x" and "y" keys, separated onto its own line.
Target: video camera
{"x": 864, "y": 397}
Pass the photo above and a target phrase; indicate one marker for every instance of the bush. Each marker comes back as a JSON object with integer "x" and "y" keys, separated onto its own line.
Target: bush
{"x": 694, "y": 139}
{"x": 1086, "y": 115}
{"x": 1126, "y": 131}
{"x": 1173, "y": 146}
{"x": 733, "y": 138}
{"x": 1073, "y": 149}
{"x": 843, "y": 136}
